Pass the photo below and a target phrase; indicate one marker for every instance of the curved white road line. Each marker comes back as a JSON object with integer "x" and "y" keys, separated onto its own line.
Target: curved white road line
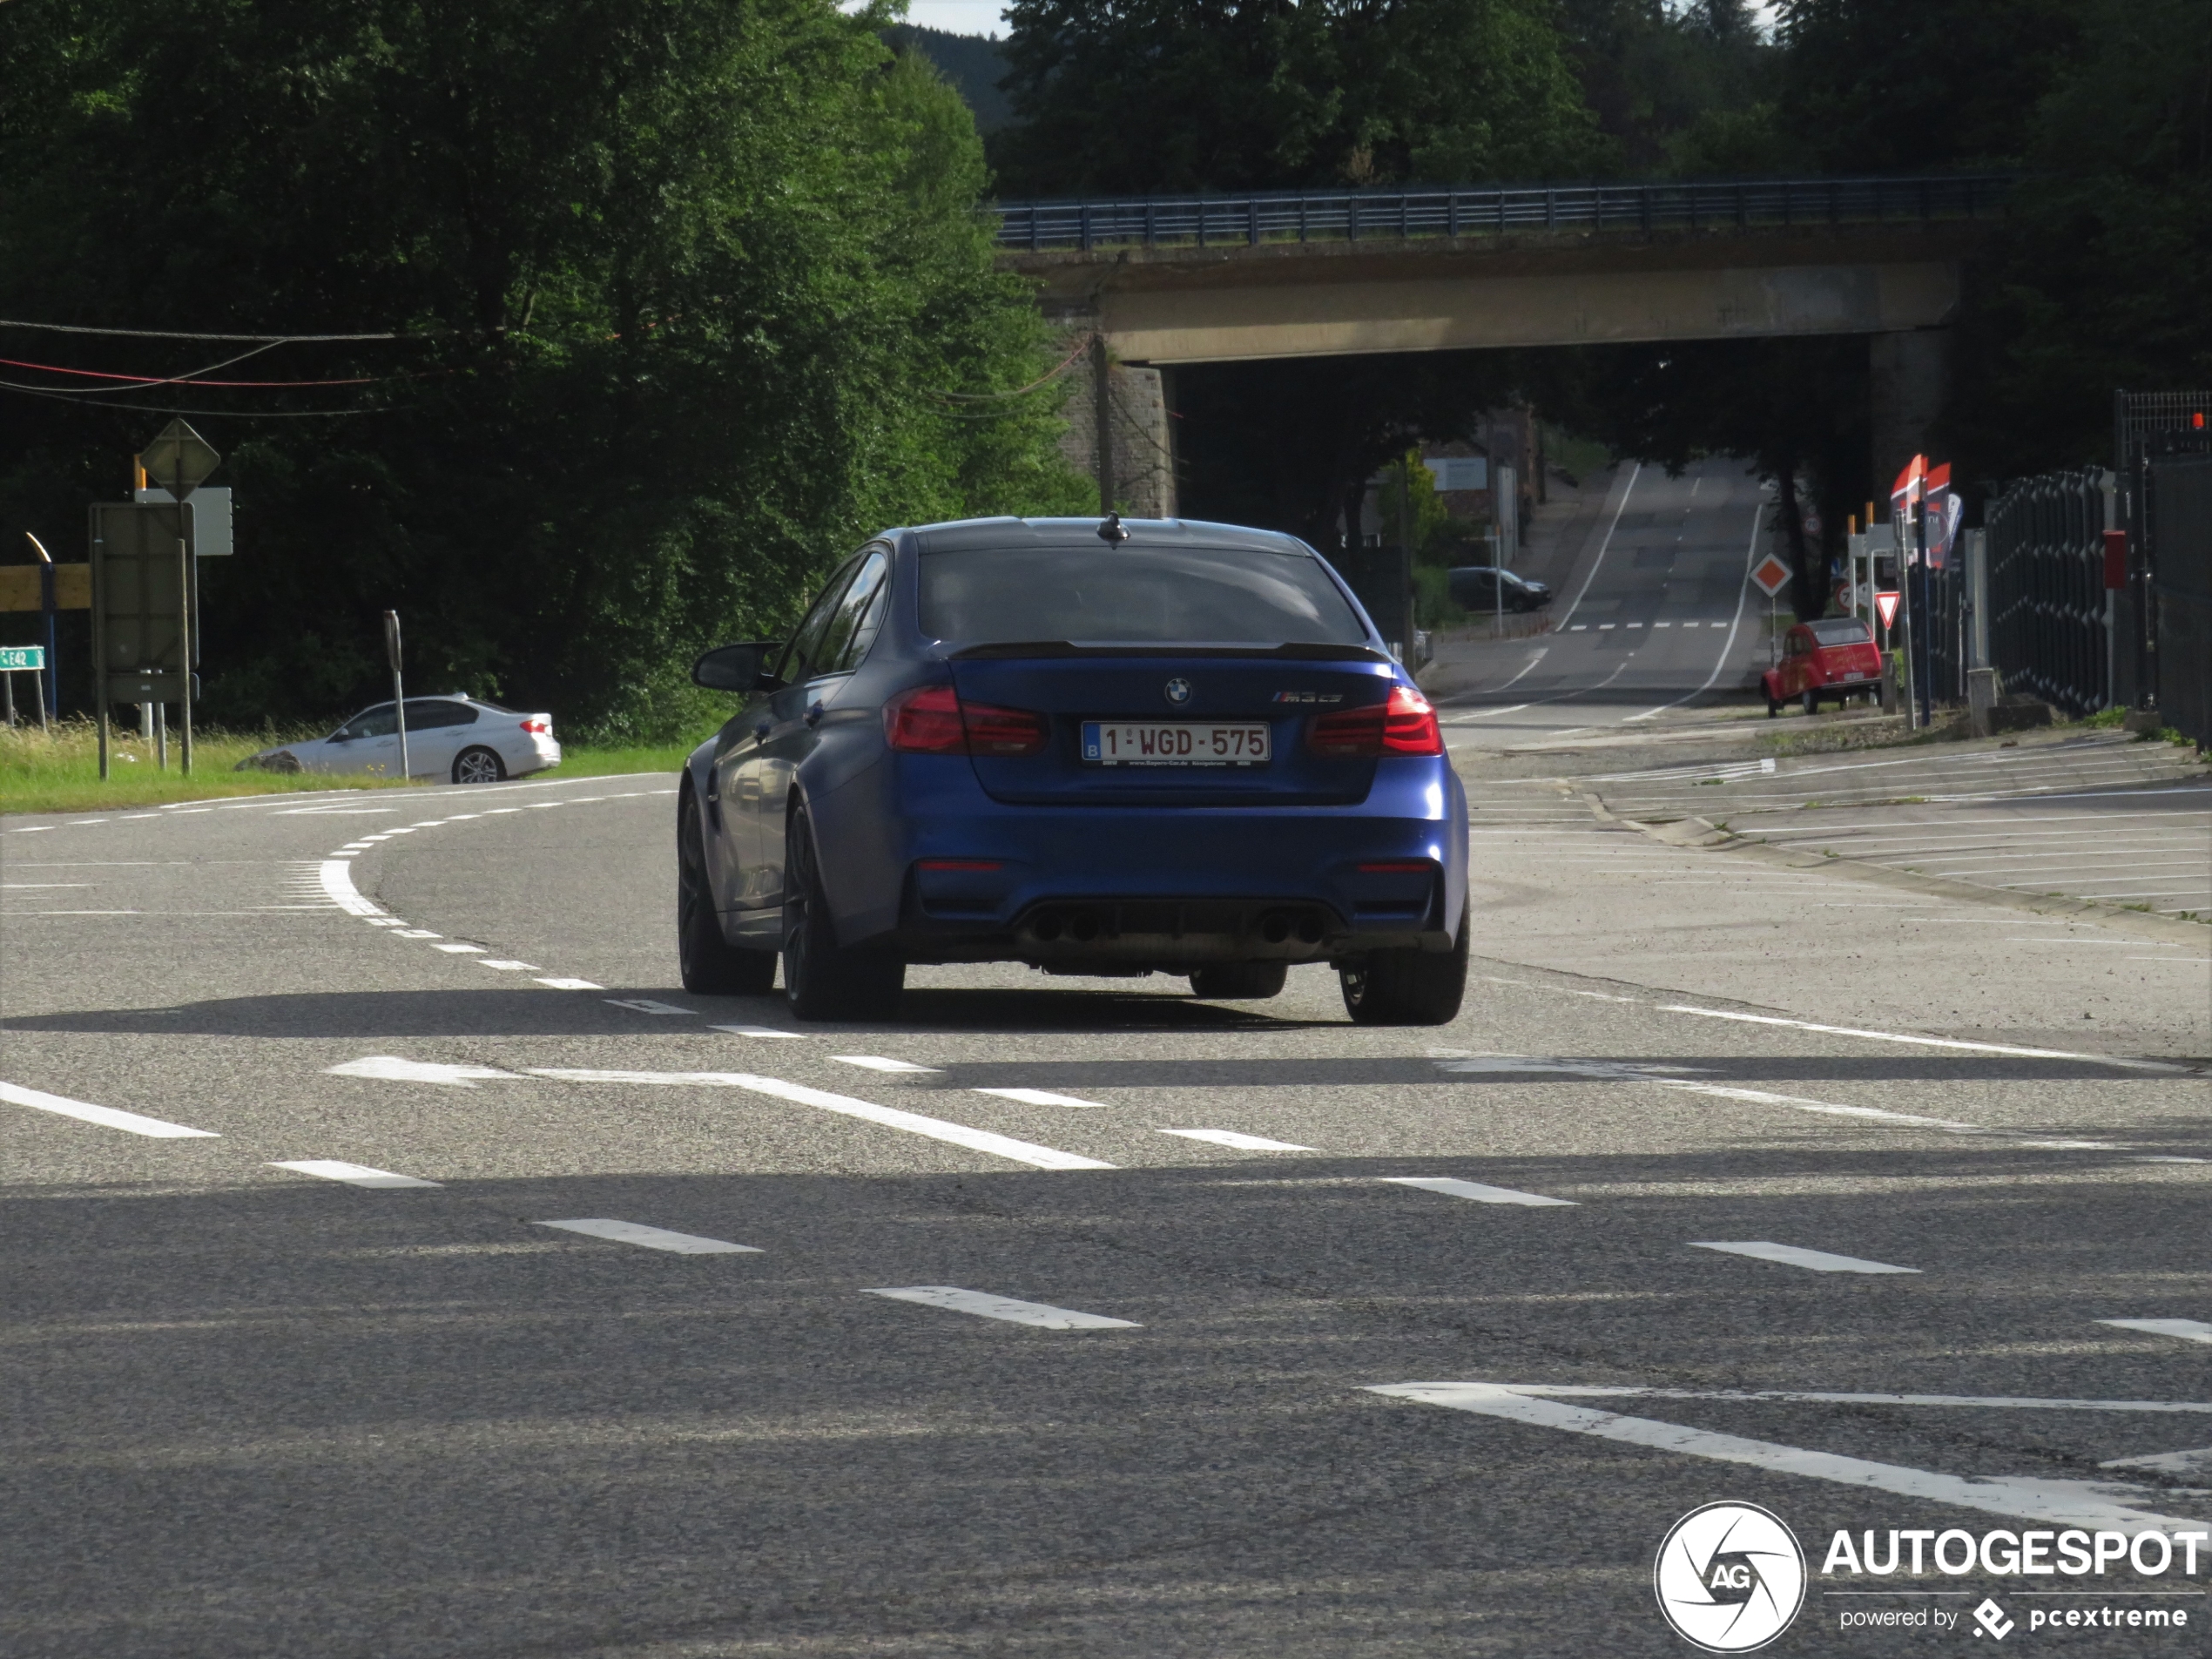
{"x": 1729, "y": 644}
{"x": 338, "y": 883}
{"x": 1590, "y": 574}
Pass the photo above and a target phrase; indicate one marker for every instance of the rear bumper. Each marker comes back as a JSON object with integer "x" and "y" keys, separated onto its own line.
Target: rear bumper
{"x": 950, "y": 874}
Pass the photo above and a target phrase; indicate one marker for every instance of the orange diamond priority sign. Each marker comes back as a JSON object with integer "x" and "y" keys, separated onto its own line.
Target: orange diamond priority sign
{"x": 1769, "y": 575}
{"x": 1886, "y": 608}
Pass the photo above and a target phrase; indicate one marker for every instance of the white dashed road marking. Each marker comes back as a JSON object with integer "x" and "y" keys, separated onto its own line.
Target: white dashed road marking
{"x": 2187, "y": 1330}
{"x": 638, "y": 1004}
{"x": 1474, "y": 1189}
{"x": 506, "y": 966}
{"x": 985, "y": 1306}
{"x": 1242, "y": 1143}
{"x": 354, "y": 1175}
{"x": 388, "y": 1068}
{"x": 106, "y": 1116}
{"x": 755, "y": 1031}
{"x": 1034, "y": 1096}
{"x": 877, "y": 1062}
{"x": 1819, "y": 1260}
{"x": 572, "y": 984}
{"x": 632, "y": 1232}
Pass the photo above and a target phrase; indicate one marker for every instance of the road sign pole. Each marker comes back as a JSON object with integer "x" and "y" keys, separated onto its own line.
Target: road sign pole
{"x": 399, "y": 699}
{"x": 98, "y": 574}
{"x": 185, "y": 628}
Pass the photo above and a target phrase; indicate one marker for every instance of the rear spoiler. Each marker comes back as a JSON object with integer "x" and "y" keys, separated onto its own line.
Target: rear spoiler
{"x": 1297, "y": 650}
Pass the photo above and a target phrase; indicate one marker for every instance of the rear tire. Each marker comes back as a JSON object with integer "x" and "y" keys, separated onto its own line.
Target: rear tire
{"x": 822, "y": 978}
{"x": 1239, "y": 981}
{"x": 710, "y": 965}
{"x": 1811, "y": 703}
{"x": 479, "y": 765}
{"x": 1407, "y": 987}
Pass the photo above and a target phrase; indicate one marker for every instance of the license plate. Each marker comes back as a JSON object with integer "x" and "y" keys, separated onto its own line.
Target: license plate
{"x": 1175, "y": 743}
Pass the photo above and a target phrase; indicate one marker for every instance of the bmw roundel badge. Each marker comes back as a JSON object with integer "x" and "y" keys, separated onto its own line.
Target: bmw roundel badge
{"x": 1178, "y": 691}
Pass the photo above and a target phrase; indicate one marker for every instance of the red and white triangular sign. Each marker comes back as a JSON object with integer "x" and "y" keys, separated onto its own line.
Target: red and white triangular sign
{"x": 1886, "y": 608}
{"x": 1769, "y": 575}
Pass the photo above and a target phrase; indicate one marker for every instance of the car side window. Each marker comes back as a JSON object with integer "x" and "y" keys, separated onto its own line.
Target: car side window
{"x": 372, "y": 723}
{"x": 860, "y": 614}
{"x": 802, "y": 662}
{"x": 431, "y": 715}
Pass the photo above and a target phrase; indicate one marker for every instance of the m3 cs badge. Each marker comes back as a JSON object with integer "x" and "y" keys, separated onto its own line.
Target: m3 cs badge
{"x": 1309, "y": 697}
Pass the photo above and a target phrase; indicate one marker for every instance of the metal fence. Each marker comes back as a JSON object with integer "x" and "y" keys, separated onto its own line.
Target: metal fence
{"x": 2177, "y": 533}
{"x": 1943, "y": 616}
{"x": 2046, "y": 594}
{"x": 1348, "y": 215}
{"x": 2140, "y": 419}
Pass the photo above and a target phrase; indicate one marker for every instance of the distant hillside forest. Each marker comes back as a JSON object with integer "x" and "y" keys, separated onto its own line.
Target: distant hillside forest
{"x": 974, "y": 66}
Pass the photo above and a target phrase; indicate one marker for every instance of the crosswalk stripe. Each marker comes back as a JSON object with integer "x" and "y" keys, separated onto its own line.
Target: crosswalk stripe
{"x": 1474, "y": 1190}
{"x": 1820, "y": 1261}
{"x": 636, "y": 1232}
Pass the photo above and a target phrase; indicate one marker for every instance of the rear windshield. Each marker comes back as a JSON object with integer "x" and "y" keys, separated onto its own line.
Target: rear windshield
{"x": 1840, "y": 630}
{"x": 1132, "y": 595}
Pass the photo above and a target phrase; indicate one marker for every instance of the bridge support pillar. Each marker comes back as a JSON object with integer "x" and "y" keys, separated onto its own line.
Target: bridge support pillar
{"x": 1908, "y": 375}
{"x": 1135, "y": 467}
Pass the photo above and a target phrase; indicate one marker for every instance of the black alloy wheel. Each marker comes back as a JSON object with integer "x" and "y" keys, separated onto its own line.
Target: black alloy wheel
{"x": 822, "y": 978}
{"x": 1239, "y": 981}
{"x": 1407, "y": 987}
{"x": 711, "y": 966}
{"x": 478, "y": 766}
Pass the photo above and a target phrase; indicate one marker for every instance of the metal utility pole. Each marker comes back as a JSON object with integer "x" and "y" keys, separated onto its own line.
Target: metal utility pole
{"x": 399, "y": 699}
{"x": 1103, "y": 418}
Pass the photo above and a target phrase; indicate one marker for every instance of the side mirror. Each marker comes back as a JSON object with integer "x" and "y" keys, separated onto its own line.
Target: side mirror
{"x": 737, "y": 668}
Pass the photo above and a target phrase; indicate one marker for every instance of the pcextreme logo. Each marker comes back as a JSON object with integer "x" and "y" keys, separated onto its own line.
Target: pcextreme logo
{"x": 1729, "y": 1577}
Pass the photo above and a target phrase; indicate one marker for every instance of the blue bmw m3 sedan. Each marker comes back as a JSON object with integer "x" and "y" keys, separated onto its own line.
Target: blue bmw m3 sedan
{"x": 1095, "y": 746}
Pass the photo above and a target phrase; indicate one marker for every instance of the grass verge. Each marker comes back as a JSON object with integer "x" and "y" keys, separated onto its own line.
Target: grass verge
{"x": 58, "y": 771}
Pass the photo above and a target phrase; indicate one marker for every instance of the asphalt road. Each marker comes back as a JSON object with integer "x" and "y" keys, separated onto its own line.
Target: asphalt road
{"x": 398, "y": 1264}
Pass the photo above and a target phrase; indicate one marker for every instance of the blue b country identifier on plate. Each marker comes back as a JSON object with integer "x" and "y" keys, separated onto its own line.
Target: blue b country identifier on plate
{"x": 1175, "y": 742}
{"x": 14, "y": 657}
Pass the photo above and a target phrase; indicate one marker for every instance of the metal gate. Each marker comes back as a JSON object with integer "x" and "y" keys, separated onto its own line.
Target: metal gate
{"x": 2177, "y": 536}
{"x": 2046, "y": 591}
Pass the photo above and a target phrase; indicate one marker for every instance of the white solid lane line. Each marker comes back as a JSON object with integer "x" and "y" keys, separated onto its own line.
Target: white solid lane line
{"x": 2187, "y": 1330}
{"x": 1819, "y": 1260}
{"x": 1474, "y": 1189}
{"x": 2193, "y": 1462}
{"x": 984, "y": 1306}
{"x": 976, "y": 1140}
{"x": 354, "y": 1175}
{"x": 2061, "y": 1502}
{"x": 388, "y": 1068}
{"x": 106, "y": 1116}
{"x": 1831, "y": 1396}
{"x": 1925, "y": 1042}
{"x": 1036, "y": 1097}
{"x": 632, "y": 1232}
{"x": 877, "y": 1062}
{"x": 1242, "y": 1143}
{"x": 755, "y": 1031}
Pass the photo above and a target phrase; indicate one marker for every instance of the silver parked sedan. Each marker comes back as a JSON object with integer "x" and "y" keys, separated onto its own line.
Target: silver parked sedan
{"x": 464, "y": 739}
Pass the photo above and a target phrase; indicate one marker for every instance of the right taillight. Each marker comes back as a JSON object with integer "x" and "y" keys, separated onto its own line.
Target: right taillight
{"x": 1404, "y": 723}
{"x": 931, "y": 720}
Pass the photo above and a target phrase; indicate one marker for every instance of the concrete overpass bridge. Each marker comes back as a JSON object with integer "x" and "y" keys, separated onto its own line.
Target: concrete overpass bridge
{"x": 1169, "y": 281}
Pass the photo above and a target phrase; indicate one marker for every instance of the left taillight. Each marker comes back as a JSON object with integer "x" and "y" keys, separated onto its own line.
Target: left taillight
{"x": 539, "y": 726}
{"x": 931, "y": 720}
{"x": 1404, "y": 723}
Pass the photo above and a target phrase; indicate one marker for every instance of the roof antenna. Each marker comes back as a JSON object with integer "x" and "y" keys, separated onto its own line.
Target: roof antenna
{"x": 1111, "y": 530}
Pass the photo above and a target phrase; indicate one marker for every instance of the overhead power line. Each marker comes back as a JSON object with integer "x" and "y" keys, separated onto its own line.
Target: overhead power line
{"x": 173, "y": 334}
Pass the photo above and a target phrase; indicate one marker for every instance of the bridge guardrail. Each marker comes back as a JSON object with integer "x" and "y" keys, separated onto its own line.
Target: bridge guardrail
{"x": 1347, "y": 215}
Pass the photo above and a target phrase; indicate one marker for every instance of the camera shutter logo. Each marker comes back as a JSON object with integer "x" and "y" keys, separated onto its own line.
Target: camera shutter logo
{"x": 1730, "y": 1577}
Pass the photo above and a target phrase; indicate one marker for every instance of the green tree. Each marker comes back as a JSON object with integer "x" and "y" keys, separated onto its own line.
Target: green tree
{"x": 691, "y": 297}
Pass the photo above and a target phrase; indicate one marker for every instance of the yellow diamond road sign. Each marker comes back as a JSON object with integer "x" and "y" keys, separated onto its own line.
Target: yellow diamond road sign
{"x": 1770, "y": 574}
{"x": 178, "y": 459}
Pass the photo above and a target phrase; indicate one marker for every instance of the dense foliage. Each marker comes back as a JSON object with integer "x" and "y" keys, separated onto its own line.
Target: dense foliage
{"x": 689, "y": 296}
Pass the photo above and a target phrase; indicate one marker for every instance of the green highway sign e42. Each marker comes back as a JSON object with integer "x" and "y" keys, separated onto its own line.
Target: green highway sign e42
{"x": 32, "y": 657}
